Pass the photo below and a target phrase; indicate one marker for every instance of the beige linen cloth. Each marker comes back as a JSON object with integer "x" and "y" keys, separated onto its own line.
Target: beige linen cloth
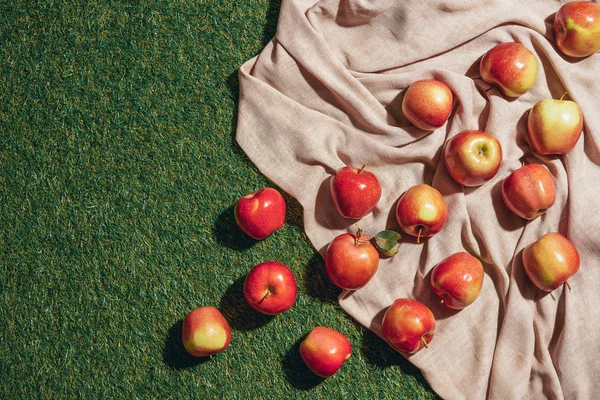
{"x": 326, "y": 92}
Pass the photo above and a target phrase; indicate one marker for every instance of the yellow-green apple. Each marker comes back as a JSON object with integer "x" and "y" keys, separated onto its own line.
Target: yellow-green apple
{"x": 421, "y": 211}
{"x": 270, "y": 288}
{"x": 529, "y": 191}
{"x": 408, "y": 325}
{"x": 457, "y": 280}
{"x": 427, "y": 104}
{"x": 260, "y": 213}
{"x": 511, "y": 66}
{"x": 324, "y": 350}
{"x": 351, "y": 260}
{"x": 205, "y": 332}
{"x": 554, "y": 126}
{"x": 577, "y": 28}
{"x": 550, "y": 261}
{"x": 354, "y": 191}
{"x": 472, "y": 157}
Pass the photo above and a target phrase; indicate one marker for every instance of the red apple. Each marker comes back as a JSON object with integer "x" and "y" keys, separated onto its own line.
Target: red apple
{"x": 270, "y": 288}
{"x": 554, "y": 126}
{"x": 577, "y": 28}
{"x": 351, "y": 260}
{"x": 529, "y": 191}
{"x": 457, "y": 280}
{"x": 408, "y": 325}
{"x": 511, "y": 66}
{"x": 354, "y": 192}
{"x": 472, "y": 157}
{"x": 205, "y": 332}
{"x": 421, "y": 211}
{"x": 427, "y": 104}
{"x": 550, "y": 261}
{"x": 260, "y": 213}
{"x": 324, "y": 351}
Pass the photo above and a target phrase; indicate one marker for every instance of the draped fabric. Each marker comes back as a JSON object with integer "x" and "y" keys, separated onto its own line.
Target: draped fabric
{"x": 327, "y": 91}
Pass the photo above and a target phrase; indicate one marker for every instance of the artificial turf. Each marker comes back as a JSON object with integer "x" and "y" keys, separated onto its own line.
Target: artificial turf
{"x": 118, "y": 175}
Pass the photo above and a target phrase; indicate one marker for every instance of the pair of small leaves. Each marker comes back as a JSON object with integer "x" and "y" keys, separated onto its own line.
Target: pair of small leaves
{"x": 387, "y": 242}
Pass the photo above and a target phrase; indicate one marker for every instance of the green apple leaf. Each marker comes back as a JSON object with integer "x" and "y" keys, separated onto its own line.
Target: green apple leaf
{"x": 387, "y": 242}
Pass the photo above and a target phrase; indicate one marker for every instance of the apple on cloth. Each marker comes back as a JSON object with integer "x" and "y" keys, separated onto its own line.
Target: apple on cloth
{"x": 327, "y": 91}
{"x": 577, "y": 28}
{"x": 354, "y": 191}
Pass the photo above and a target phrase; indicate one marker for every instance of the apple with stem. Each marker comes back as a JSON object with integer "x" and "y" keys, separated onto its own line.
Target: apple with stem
{"x": 510, "y": 66}
{"x": 472, "y": 157}
{"x": 205, "y": 332}
{"x": 421, "y": 211}
{"x": 351, "y": 260}
{"x": 354, "y": 191}
{"x": 529, "y": 191}
{"x": 554, "y": 126}
{"x": 577, "y": 28}
{"x": 324, "y": 351}
{"x": 427, "y": 104}
{"x": 270, "y": 288}
{"x": 408, "y": 325}
{"x": 457, "y": 280}
{"x": 260, "y": 213}
{"x": 550, "y": 261}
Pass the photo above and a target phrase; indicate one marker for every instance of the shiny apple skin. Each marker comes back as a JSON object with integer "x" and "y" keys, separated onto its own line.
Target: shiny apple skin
{"x": 408, "y": 325}
{"x": 550, "y": 261}
{"x": 577, "y": 28}
{"x": 511, "y": 66}
{"x": 205, "y": 332}
{"x": 473, "y": 157}
{"x": 427, "y": 104}
{"x": 260, "y": 213}
{"x": 270, "y": 288}
{"x": 351, "y": 261}
{"x": 422, "y": 207}
{"x": 355, "y": 192}
{"x": 457, "y": 280}
{"x": 554, "y": 126}
{"x": 529, "y": 191}
{"x": 325, "y": 350}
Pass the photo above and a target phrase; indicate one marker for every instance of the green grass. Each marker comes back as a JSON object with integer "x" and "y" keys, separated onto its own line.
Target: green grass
{"x": 118, "y": 175}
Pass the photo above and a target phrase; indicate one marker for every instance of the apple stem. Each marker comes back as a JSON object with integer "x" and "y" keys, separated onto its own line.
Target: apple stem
{"x": 361, "y": 169}
{"x": 419, "y": 235}
{"x": 267, "y": 293}
{"x": 563, "y": 95}
{"x": 424, "y": 342}
{"x": 569, "y": 286}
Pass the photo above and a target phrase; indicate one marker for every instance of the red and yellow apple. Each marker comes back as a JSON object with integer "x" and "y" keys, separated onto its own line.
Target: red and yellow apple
{"x": 550, "y": 261}
{"x": 421, "y": 211}
{"x": 354, "y": 191}
{"x": 554, "y": 126}
{"x": 427, "y": 104}
{"x": 260, "y": 213}
{"x": 408, "y": 325}
{"x": 510, "y": 66}
{"x": 325, "y": 350}
{"x": 577, "y": 28}
{"x": 270, "y": 288}
{"x": 529, "y": 191}
{"x": 457, "y": 280}
{"x": 205, "y": 332}
{"x": 472, "y": 157}
{"x": 351, "y": 260}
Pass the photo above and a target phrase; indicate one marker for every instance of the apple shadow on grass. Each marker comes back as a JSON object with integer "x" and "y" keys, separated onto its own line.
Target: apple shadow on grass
{"x": 175, "y": 355}
{"x": 229, "y": 234}
{"x": 296, "y": 371}
{"x": 240, "y": 315}
{"x": 317, "y": 283}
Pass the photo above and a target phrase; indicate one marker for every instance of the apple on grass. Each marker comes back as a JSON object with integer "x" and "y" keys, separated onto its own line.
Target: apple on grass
{"x": 354, "y": 191}
{"x": 457, "y": 280}
{"x": 421, "y": 211}
{"x": 351, "y": 260}
{"x": 472, "y": 157}
{"x": 577, "y": 28}
{"x": 554, "y": 126}
{"x": 550, "y": 261}
{"x": 427, "y": 104}
{"x": 529, "y": 191}
{"x": 270, "y": 288}
{"x": 260, "y": 213}
{"x": 511, "y": 66}
{"x": 325, "y": 350}
{"x": 408, "y": 325}
{"x": 205, "y": 332}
